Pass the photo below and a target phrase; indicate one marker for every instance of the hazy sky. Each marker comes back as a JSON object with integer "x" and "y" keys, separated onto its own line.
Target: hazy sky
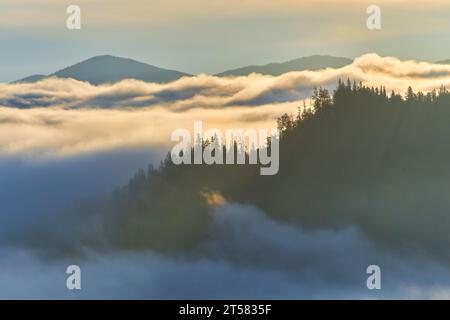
{"x": 210, "y": 36}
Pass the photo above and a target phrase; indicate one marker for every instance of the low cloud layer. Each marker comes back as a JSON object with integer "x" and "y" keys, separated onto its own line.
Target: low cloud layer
{"x": 248, "y": 256}
{"x": 40, "y": 200}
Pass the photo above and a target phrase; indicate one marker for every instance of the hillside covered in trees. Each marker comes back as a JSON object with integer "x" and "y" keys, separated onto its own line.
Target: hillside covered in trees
{"x": 359, "y": 157}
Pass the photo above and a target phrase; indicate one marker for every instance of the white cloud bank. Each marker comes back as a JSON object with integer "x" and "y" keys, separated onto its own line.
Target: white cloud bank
{"x": 58, "y": 117}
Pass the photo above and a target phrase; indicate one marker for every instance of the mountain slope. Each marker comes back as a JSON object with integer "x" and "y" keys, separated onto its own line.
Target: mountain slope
{"x": 33, "y": 78}
{"x": 110, "y": 69}
{"x": 315, "y": 62}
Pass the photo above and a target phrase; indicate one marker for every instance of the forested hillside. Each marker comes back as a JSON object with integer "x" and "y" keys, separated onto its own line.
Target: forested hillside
{"x": 359, "y": 156}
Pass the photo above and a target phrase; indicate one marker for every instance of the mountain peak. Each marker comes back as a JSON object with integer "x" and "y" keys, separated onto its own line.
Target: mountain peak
{"x": 109, "y": 69}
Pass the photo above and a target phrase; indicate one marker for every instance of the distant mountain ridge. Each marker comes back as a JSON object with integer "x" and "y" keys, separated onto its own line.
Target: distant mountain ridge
{"x": 110, "y": 69}
{"x": 315, "y": 62}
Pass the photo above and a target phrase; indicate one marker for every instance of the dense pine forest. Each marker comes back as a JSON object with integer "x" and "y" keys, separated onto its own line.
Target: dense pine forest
{"x": 358, "y": 157}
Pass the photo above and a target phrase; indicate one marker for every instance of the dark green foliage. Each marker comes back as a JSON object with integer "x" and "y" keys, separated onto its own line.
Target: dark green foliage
{"x": 360, "y": 158}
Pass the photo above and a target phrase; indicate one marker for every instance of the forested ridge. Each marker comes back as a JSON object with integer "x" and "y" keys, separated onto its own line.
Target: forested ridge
{"x": 357, "y": 157}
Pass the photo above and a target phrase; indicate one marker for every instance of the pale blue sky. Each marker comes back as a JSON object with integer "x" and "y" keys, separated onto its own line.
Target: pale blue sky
{"x": 211, "y": 36}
